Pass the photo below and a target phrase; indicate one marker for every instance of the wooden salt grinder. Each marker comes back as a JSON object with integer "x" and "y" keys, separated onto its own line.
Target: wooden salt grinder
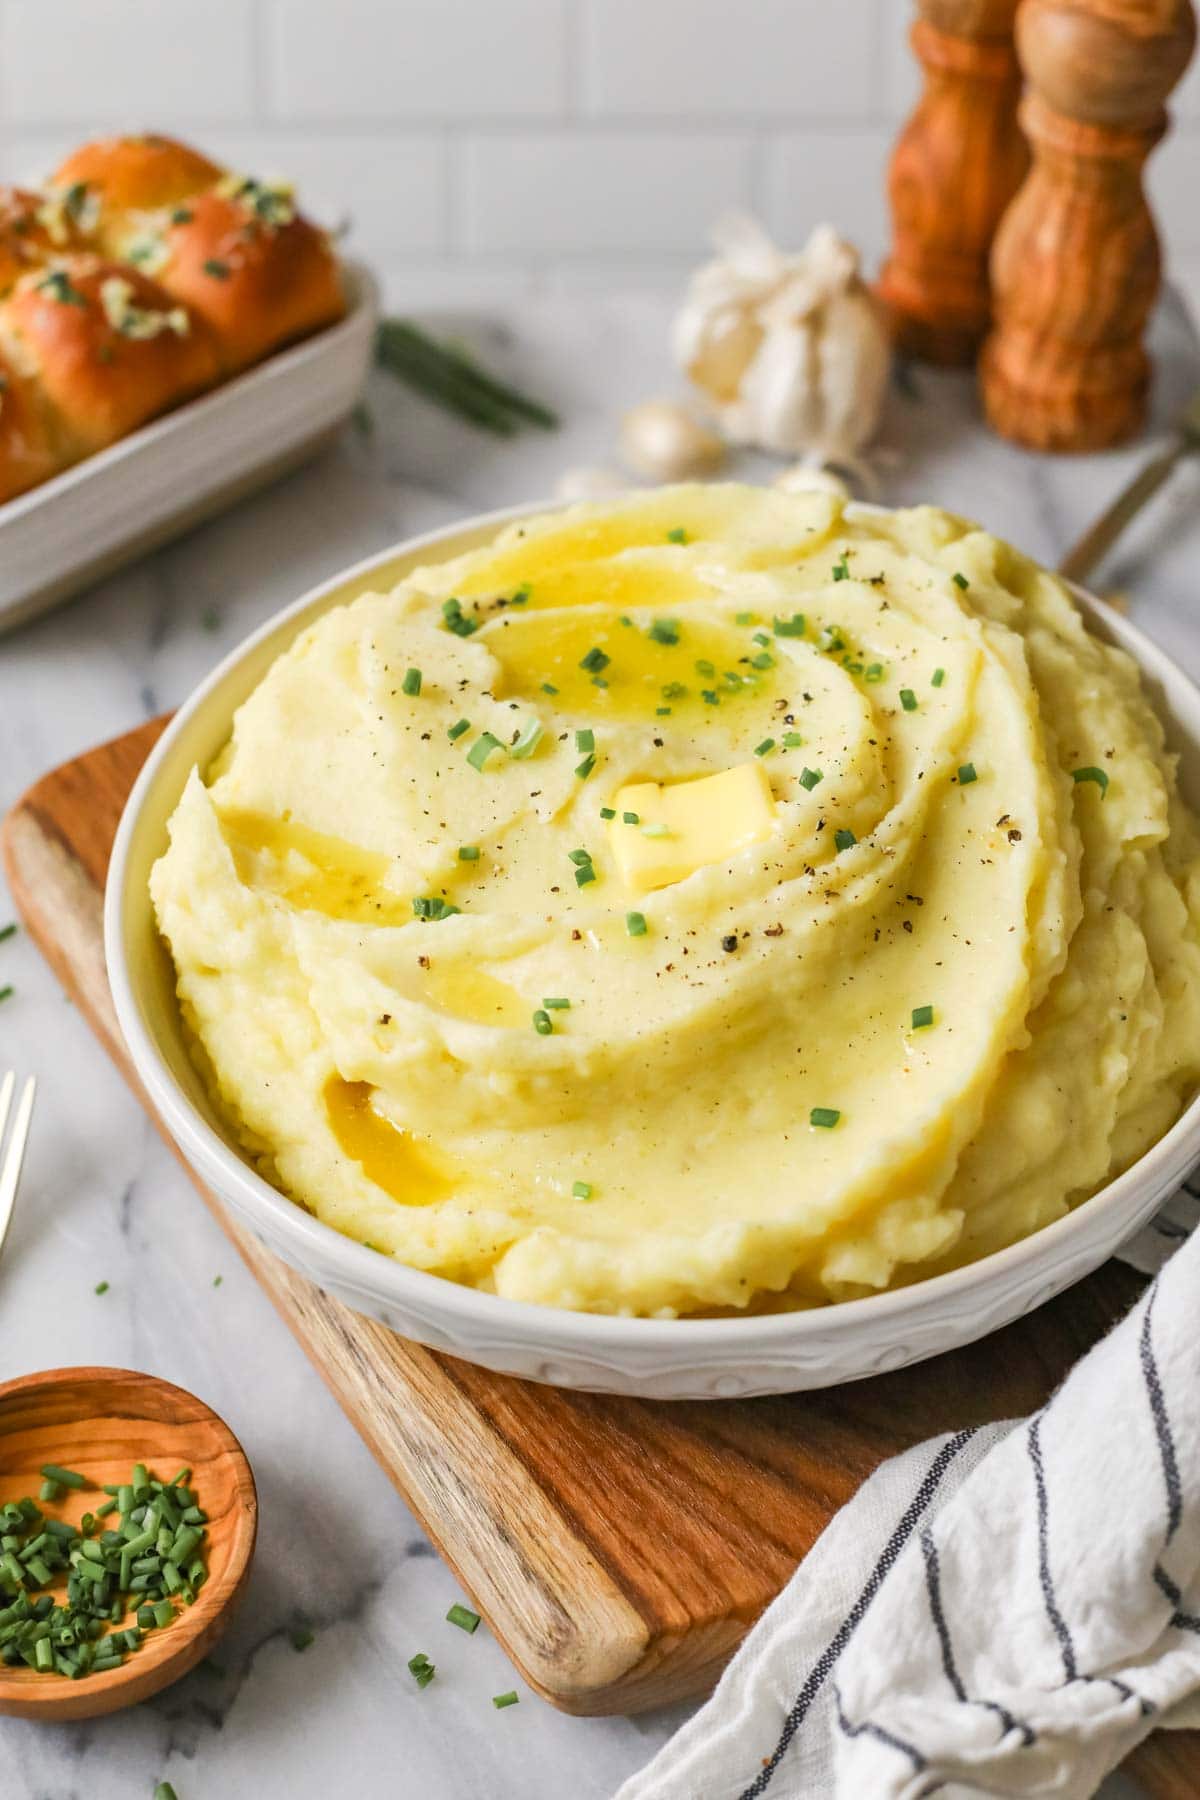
{"x": 957, "y": 164}
{"x": 1075, "y": 266}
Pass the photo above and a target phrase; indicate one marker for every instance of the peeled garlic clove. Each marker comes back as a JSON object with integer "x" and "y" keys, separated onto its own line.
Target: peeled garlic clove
{"x": 661, "y": 440}
{"x": 589, "y": 482}
{"x": 808, "y": 478}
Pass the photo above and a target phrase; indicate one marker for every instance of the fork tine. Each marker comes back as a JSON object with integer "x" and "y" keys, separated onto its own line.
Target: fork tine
{"x": 10, "y": 1168}
{"x": 6, "y": 1094}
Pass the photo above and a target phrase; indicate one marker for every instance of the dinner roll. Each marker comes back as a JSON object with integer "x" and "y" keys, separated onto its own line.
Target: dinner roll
{"x": 130, "y": 175}
{"x": 26, "y": 453}
{"x": 243, "y": 259}
{"x": 32, "y": 230}
{"x": 108, "y": 348}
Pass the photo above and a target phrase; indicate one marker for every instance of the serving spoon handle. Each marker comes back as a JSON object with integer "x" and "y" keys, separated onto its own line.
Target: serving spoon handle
{"x": 1100, "y": 537}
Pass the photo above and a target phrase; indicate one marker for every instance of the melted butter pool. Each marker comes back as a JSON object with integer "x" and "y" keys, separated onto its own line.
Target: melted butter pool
{"x": 312, "y": 870}
{"x": 385, "y": 1154}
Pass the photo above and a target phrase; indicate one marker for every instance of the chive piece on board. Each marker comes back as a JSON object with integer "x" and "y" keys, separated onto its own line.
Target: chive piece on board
{"x": 68, "y": 1477}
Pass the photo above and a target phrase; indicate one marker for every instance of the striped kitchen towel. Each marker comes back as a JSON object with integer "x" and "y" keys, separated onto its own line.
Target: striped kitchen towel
{"x": 1008, "y": 1610}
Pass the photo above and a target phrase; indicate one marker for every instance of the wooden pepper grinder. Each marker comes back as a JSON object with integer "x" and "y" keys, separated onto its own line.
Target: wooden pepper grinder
{"x": 1075, "y": 266}
{"x": 957, "y": 164}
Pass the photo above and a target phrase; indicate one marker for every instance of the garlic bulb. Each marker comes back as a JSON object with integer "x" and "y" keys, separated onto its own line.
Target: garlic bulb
{"x": 662, "y": 440}
{"x": 808, "y": 478}
{"x": 790, "y": 350}
{"x": 589, "y": 482}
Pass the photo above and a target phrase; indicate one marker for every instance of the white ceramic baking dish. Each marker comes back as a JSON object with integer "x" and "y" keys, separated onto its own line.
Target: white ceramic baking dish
{"x": 161, "y": 480}
{"x": 668, "y": 1359}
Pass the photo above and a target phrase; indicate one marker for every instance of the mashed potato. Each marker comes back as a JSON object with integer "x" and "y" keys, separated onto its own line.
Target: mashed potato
{"x": 695, "y": 901}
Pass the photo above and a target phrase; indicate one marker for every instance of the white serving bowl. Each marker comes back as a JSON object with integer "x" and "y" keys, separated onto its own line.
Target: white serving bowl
{"x": 682, "y": 1359}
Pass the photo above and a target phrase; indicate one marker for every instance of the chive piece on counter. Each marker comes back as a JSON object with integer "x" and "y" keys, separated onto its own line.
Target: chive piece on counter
{"x": 463, "y": 1617}
{"x": 412, "y": 681}
{"x": 809, "y": 778}
{"x": 793, "y": 627}
{"x": 635, "y": 924}
{"x": 908, "y": 700}
{"x": 1091, "y": 774}
{"x": 543, "y": 1024}
{"x": 7, "y": 931}
{"x": 677, "y": 536}
{"x": 468, "y": 853}
{"x": 500, "y": 1701}
{"x": 595, "y": 660}
{"x": 557, "y": 1004}
{"x": 528, "y": 739}
{"x": 584, "y": 769}
{"x": 482, "y": 748}
{"x": 967, "y": 774}
{"x": 302, "y": 1638}
{"x": 585, "y": 740}
{"x": 7, "y": 991}
{"x": 844, "y": 839}
{"x": 101, "y": 1287}
{"x": 765, "y": 748}
{"x": 939, "y": 675}
{"x": 664, "y": 631}
{"x": 631, "y": 818}
{"x": 164, "y": 1791}
{"x": 456, "y": 731}
{"x": 421, "y": 1669}
{"x": 582, "y": 1190}
{"x": 825, "y": 1117}
{"x": 960, "y": 581}
{"x": 67, "y": 1477}
{"x": 921, "y": 1016}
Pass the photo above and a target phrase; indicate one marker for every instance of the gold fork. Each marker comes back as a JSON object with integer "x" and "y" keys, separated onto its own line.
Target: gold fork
{"x": 12, "y": 1158}
{"x": 1078, "y": 563}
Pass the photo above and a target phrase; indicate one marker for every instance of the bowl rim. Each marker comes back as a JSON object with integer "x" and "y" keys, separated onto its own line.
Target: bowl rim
{"x": 356, "y": 1267}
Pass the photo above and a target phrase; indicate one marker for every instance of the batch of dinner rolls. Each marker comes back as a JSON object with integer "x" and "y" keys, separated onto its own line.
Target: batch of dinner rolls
{"x": 140, "y": 275}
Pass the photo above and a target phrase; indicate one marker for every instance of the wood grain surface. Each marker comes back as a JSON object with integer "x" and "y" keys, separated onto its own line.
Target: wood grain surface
{"x": 618, "y": 1548}
{"x": 101, "y": 1422}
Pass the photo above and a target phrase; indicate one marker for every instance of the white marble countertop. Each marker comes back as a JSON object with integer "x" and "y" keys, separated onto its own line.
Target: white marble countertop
{"x": 104, "y": 1199}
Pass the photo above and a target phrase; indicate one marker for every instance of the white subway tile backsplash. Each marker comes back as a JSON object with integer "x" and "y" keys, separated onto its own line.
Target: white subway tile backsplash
{"x": 1171, "y": 183}
{"x": 138, "y": 64}
{"x": 342, "y": 60}
{"x": 729, "y": 59}
{"x": 841, "y": 177}
{"x": 555, "y": 193}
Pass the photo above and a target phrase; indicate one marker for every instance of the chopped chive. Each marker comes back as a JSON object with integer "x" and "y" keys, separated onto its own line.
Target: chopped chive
{"x": 710, "y": 696}
{"x": 456, "y": 731}
{"x": 810, "y": 777}
{"x": 463, "y": 1617}
{"x": 765, "y": 748}
{"x": 841, "y": 568}
{"x": 302, "y": 1638}
{"x": 455, "y": 619}
{"x": 528, "y": 740}
{"x": 50, "y": 1490}
{"x": 921, "y": 1016}
{"x": 164, "y": 1790}
{"x": 1092, "y": 774}
{"x": 673, "y": 690}
{"x": 481, "y": 749}
{"x": 635, "y": 924}
{"x": 584, "y": 769}
{"x": 557, "y": 1003}
{"x": 548, "y": 687}
{"x": 792, "y": 740}
{"x": 432, "y": 907}
{"x": 704, "y": 667}
{"x": 908, "y": 700}
{"x": 500, "y": 1701}
{"x": 580, "y": 856}
{"x": 662, "y": 712}
{"x": 421, "y": 1669}
{"x": 101, "y": 1287}
{"x": 412, "y": 681}
{"x": 761, "y": 637}
{"x": 793, "y": 627}
{"x": 468, "y": 853}
{"x": 543, "y": 1024}
{"x": 631, "y": 818}
{"x": 826, "y": 1117}
{"x": 584, "y": 874}
{"x": 677, "y": 536}
{"x": 607, "y": 812}
{"x": 844, "y": 839}
{"x": 764, "y": 660}
{"x": 595, "y": 660}
{"x": 664, "y": 631}
{"x": 7, "y": 931}
{"x": 743, "y": 618}
{"x": 966, "y": 775}
{"x": 585, "y": 740}
{"x": 67, "y": 1477}
{"x": 7, "y": 991}
{"x": 581, "y": 1190}
{"x": 873, "y": 672}
{"x": 939, "y": 675}
{"x": 960, "y": 581}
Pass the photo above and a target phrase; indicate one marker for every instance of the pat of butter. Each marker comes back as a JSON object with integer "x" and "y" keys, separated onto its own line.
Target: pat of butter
{"x": 691, "y": 823}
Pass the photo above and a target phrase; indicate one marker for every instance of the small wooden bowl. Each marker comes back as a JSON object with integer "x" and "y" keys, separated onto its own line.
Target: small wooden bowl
{"x": 101, "y": 1422}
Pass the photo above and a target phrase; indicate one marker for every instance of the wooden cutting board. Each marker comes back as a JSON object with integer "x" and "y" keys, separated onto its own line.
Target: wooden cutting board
{"x": 619, "y": 1549}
